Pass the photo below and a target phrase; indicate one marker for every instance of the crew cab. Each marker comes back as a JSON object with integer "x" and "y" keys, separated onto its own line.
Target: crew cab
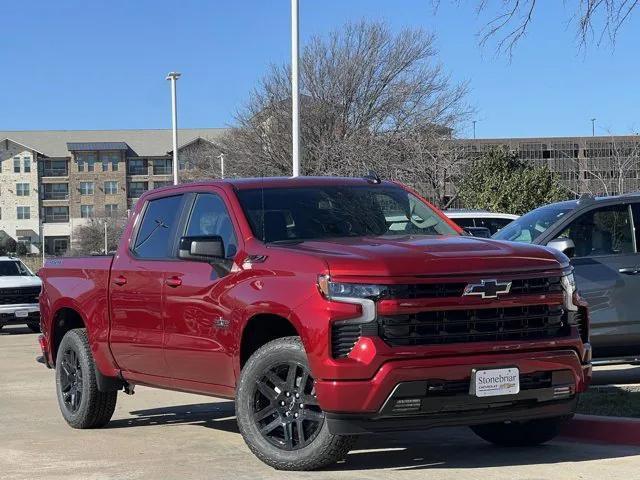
{"x": 327, "y": 308}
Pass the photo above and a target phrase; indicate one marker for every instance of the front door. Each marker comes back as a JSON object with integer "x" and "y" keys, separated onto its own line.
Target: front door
{"x": 605, "y": 263}
{"x": 137, "y": 282}
{"x": 198, "y": 317}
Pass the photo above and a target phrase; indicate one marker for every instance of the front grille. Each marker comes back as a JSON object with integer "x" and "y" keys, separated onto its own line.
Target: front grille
{"x": 474, "y": 325}
{"x": 536, "y": 286}
{"x": 447, "y": 388}
{"x": 12, "y": 296}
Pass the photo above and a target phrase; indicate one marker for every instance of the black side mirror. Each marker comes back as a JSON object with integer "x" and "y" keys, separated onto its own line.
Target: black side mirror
{"x": 201, "y": 248}
{"x": 482, "y": 232}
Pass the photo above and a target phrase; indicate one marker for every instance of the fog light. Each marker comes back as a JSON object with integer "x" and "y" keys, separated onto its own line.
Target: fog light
{"x": 407, "y": 405}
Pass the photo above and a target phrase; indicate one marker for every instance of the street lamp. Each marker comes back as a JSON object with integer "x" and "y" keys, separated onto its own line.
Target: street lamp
{"x": 295, "y": 107}
{"x": 221, "y": 157}
{"x": 173, "y": 76}
{"x": 593, "y": 127}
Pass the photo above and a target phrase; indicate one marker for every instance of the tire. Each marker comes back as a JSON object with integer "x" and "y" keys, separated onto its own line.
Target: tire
{"x": 266, "y": 382}
{"x": 81, "y": 403}
{"x": 520, "y": 434}
{"x": 34, "y": 327}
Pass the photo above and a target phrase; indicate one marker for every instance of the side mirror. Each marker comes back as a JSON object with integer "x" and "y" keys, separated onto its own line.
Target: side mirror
{"x": 565, "y": 245}
{"x": 482, "y": 232}
{"x": 201, "y": 248}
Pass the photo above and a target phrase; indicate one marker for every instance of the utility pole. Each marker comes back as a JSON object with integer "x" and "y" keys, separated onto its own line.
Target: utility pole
{"x": 173, "y": 77}
{"x": 221, "y": 157}
{"x": 474, "y": 129}
{"x": 295, "y": 105}
{"x": 593, "y": 127}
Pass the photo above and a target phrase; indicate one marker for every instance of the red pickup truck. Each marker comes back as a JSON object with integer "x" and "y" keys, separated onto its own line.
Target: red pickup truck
{"x": 327, "y": 308}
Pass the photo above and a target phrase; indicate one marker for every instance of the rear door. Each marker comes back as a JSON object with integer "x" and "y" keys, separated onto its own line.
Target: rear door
{"x": 198, "y": 314}
{"x": 137, "y": 283}
{"x": 606, "y": 266}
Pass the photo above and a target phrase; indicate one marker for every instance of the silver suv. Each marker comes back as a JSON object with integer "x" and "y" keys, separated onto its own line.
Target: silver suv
{"x": 599, "y": 234}
{"x": 19, "y": 292}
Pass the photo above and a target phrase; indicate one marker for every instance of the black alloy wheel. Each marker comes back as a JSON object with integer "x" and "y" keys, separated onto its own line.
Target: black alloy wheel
{"x": 285, "y": 408}
{"x": 71, "y": 380}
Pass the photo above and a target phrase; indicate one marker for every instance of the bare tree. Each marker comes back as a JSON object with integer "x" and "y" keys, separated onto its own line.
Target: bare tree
{"x": 370, "y": 99}
{"x": 594, "y": 19}
{"x": 88, "y": 239}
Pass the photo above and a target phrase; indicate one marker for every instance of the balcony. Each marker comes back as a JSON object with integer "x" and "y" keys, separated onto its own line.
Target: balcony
{"x": 55, "y": 196}
{"x": 162, "y": 170}
{"x": 55, "y": 172}
{"x": 56, "y": 218}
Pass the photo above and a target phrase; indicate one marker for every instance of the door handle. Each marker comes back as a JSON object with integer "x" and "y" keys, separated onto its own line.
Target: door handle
{"x": 120, "y": 280}
{"x": 173, "y": 282}
{"x": 630, "y": 270}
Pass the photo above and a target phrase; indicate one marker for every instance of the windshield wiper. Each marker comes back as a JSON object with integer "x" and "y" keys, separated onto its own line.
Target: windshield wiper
{"x": 288, "y": 241}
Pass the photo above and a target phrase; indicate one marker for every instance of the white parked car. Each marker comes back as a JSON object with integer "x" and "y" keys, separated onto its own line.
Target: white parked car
{"x": 481, "y": 218}
{"x": 19, "y": 292}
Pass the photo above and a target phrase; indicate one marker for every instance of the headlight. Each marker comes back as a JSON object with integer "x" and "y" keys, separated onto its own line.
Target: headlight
{"x": 355, "y": 293}
{"x": 569, "y": 288}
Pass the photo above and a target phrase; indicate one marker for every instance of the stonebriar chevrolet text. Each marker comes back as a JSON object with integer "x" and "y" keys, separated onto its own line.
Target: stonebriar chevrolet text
{"x": 327, "y": 308}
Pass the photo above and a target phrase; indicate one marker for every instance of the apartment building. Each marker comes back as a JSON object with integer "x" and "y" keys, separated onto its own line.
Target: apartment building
{"x": 75, "y": 175}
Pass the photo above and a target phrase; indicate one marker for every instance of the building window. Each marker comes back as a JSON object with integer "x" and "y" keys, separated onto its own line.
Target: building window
{"x": 16, "y": 164}
{"x": 86, "y": 188}
{"x": 110, "y": 158}
{"x": 22, "y": 189}
{"x": 24, "y": 213}
{"x": 136, "y": 189}
{"x": 26, "y": 162}
{"x": 137, "y": 167}
{"x": 86, "y": 159}
{"x": 56, "y": 214}
{"x": 86, "y": 211}
{"x": 111, "y": 187}
{"x": 54, "y": 168}
{"x": 111, "y": 210}
{"x": 161, "y": 184}
{"x": 162, "y": 167}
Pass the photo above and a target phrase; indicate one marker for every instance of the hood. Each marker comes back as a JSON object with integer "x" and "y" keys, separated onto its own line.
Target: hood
{"x": 429, "y": 256}
{"x": 19, "y": 281}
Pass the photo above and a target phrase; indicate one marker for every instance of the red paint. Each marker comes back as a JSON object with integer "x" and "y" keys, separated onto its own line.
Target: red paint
{"x": 610, "y": 430}
{"x": 176, "y": 324}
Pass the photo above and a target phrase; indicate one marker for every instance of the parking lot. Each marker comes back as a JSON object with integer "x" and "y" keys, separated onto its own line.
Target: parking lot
{"x": 165, "y": 435}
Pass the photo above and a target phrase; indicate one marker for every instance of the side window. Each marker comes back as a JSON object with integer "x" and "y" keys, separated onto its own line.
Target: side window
{"x": 603, "y": 231}
{"x": 210, "y": 217}
{"x": 155, "y": 234}
{"x": 493, "y": 224}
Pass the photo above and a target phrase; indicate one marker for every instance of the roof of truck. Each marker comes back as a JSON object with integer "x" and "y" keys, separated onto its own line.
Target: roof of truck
{"x": 275, "y": 182}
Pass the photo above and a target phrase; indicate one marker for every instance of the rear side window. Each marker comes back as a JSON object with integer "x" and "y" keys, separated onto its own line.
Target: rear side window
{"x": 464, "y": 222}
{"x": 156, "y": 230}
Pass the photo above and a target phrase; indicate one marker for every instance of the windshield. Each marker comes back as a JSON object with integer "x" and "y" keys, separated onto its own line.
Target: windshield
{"x": 530, "y": 226}
{"x": 296, "y": 214}
{"x": 13, "y": 268}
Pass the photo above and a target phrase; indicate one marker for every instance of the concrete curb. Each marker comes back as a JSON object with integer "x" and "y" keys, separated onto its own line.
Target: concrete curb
{"x": 599, "y": 429}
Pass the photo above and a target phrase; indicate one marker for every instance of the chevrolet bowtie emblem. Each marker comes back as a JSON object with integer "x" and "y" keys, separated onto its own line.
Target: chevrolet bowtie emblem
{"x": 487, "y": 288}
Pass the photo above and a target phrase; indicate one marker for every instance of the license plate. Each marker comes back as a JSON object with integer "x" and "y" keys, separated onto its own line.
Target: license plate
{"x": 22, "y": 314}
{"x": 495, "y": 382}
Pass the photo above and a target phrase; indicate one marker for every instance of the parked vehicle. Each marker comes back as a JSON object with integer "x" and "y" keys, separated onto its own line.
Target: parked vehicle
{"x": 327, "y": 308}
{"x": 600, "y": 237}
{"x": 19, "y": 292}
{"x": 480, "y": 218}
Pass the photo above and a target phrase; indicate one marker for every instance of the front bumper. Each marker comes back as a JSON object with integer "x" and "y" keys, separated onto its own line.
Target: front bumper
{"x": 369, "y": 397}
{"x": 8, "y": 314}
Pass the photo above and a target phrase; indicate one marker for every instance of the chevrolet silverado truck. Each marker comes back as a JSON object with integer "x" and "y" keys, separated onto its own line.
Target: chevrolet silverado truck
{"x": 326, "y": 308}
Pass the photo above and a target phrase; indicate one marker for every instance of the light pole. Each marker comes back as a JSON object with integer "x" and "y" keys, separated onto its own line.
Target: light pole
{"x": 474, "y": 129}
{"x": 173, "y": 77}
{"x": 593, "y": 127}
{"x": 295, "y": 106}
{"x": 106, "y": 251}
{"x": 221, "y": 157}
